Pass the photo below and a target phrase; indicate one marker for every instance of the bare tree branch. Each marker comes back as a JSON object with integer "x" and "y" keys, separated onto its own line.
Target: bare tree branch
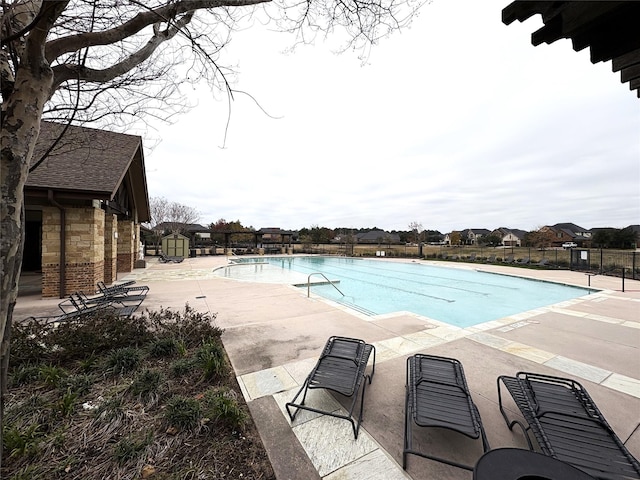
{"x": 67, "y": 71}
{"x": 58, "y": 47}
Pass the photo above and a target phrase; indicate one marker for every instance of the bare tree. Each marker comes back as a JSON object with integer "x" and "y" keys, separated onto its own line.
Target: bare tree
{"x": 180, "y": 216}
{"x": 416, "y": 230}
{"x": 92, "y": 60}
{"x": 158, "y": 211}
{"x": 158, "y": 208}
{"x": 172, "y": 216}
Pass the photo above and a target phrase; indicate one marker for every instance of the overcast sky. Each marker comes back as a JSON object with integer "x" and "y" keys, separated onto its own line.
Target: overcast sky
{"x": 458, "y": 122}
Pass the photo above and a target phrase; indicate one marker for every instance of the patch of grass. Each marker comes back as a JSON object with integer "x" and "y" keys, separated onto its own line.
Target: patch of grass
{"x": 130, "y": 448}
{"x": 221, "y": 404}
{"x": 123, "y": 360}
{"x": 111, "y": 410}
{"x": 19, "y": 442}
{"x": 182, "y": 367}
{"x": 66, "y": 404}
{"x": 30, "y": 472}
{"x": 88, "y": 364}
{"x": 163, "y": 347}
{"x": 183, "y": 413}
{"x": 182, "y": 348}
{"x": 146, "y": 384}
{"x": 211, "y": 358}
{"x": 52, "y": 375}
{"x": 79, "y": 384}
{"x": 25, "y": 374}
{"x": 32, "y": 408}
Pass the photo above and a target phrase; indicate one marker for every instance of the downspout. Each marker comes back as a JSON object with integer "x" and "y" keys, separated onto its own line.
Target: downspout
{"x": 63, "y": 237}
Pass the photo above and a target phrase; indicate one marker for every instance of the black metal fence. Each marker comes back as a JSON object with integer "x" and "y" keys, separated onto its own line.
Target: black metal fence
{"x": 606, "y": 262}
{"x": 596, "y": 261}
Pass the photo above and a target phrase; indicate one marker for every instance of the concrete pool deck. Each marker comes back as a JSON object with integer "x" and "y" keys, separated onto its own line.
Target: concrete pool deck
{"x": 274, "y": 334}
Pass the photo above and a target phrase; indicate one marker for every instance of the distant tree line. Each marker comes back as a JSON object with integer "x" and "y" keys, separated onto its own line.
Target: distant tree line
{"x": 173, "y": 214}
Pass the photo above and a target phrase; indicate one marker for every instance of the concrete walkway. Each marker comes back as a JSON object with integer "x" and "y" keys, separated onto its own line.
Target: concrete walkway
{"x": 274, "y": 334}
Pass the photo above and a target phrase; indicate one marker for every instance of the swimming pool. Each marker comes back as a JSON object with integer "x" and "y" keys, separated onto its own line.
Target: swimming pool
{"x": 457, "y": 296}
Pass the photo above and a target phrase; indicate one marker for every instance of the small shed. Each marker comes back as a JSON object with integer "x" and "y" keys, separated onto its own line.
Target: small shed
{"x": 175, "y": 245}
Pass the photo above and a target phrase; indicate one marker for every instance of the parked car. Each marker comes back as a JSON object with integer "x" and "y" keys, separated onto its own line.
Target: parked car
{"x": 566, "y": 245}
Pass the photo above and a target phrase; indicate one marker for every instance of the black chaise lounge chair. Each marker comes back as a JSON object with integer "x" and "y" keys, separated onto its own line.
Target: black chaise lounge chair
{"x": 342, "y": 369}
{"x": 70, "y": 314}
{"x": 165, "y": 258}
{"x": 437, "y": 395}
{"x": 124, "y": 289}
{"x": 567, "y": 425}
{"x": 113, "y": 299}
{"x": 79, "y": 302}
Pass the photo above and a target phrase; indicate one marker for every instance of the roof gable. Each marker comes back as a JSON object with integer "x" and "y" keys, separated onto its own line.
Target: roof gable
{"x": 91, "y": 162}
{"x": 85, "y": 159}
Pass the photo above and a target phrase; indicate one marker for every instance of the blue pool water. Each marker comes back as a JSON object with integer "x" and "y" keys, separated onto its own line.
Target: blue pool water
{"x": 460, "y": 297}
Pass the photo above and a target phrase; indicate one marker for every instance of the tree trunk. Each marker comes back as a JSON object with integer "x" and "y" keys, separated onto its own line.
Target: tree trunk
{"x": 22, "y": 113}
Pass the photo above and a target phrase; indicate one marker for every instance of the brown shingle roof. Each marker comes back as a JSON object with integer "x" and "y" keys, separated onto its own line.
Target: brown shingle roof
{"x": 90, "y": 163}
{"x": 85, "y": 160}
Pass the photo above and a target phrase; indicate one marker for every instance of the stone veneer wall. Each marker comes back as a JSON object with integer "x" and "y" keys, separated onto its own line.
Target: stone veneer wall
{"x": 110, "y": 249}
{"x": 84, "y": 262}
{"x": 126, "y": 250}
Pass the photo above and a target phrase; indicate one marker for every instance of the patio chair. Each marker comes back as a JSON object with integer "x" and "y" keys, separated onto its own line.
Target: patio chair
{"x": 124, "y": 289}
{"x": 491, "y": 259}
{"x": 118, "y": 300}
{"x": 437, "y": 396}
{"x": 70, "y": 314}
{"x": 567, "y": 425}
{"x": 524, "y": 261}
{"x": 508, "y": 259}
{"x": 472, "y": 257}
{"x": 81, "y": 303}
{"x": 166, "y": 259}
{"x": 340, "y": 368}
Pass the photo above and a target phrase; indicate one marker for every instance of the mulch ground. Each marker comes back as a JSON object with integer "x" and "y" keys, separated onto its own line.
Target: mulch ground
{"x": 174, "y": 413}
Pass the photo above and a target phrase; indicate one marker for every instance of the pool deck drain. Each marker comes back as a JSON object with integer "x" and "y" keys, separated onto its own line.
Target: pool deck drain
{"x": 274, "y": 334}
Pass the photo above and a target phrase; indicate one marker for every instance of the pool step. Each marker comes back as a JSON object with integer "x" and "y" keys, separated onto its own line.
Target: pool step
{"x": 358, "y": 308}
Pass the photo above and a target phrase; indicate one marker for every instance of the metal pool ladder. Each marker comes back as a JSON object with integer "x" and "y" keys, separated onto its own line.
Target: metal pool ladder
{"x": 323, "y": 276}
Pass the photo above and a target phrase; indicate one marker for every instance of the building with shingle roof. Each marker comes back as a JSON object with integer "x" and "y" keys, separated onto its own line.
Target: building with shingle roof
{"x": 93, "y": 182}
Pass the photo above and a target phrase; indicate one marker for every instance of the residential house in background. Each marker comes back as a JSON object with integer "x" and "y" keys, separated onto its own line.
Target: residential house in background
{"x": 454, "y": 237}
{"x": 471, "y": 236}
{"x": 509, "y": 237}
{"x": 568, "y": 232}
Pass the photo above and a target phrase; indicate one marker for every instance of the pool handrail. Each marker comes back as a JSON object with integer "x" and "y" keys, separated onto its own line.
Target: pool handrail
{"x": 323, "y": 276}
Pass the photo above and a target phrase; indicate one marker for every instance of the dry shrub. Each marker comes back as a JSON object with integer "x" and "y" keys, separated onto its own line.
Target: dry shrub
{"x": 190, "y": 327}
